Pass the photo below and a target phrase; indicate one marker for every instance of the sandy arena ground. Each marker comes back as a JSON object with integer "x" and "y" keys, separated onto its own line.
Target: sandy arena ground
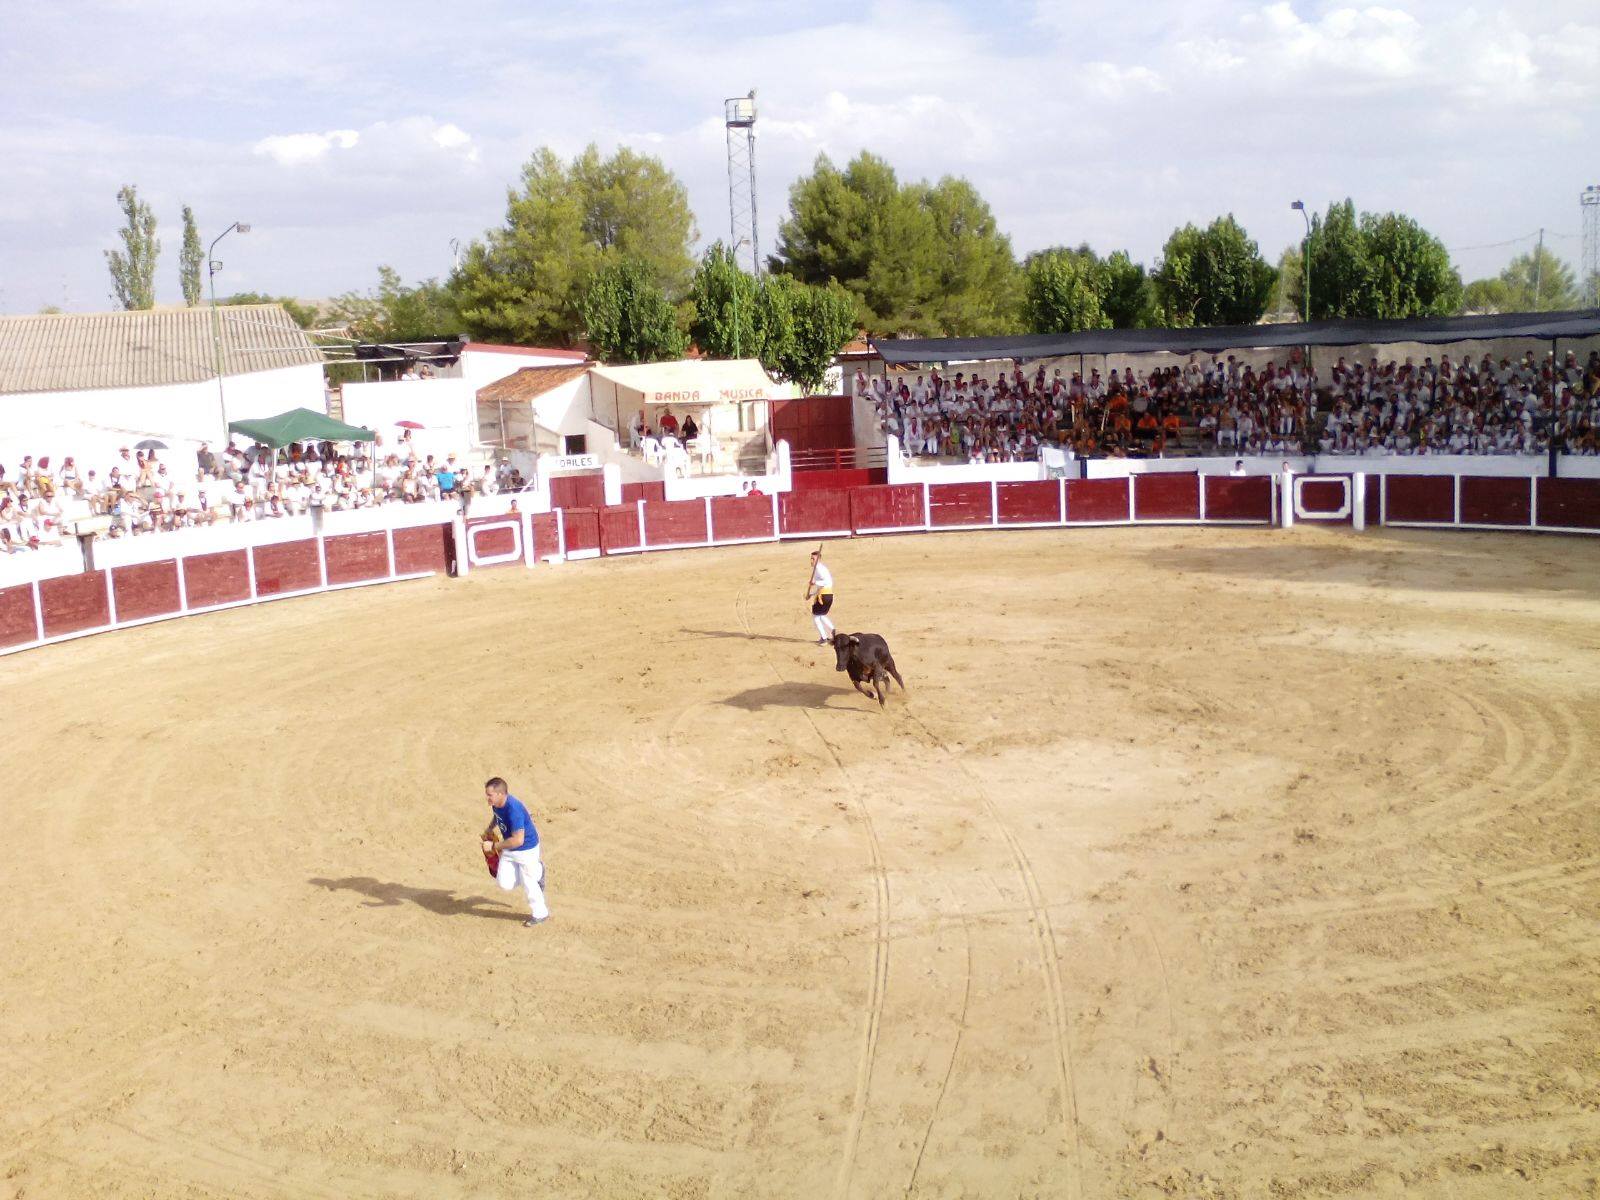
{"x": 1229, "y": 863}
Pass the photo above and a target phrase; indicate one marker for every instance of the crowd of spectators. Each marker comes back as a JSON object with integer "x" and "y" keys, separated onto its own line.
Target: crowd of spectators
{"x": 1487, "y": 407}
{"x": 1226, "y": 405}
{"x": 1127, "y": 413}
{"x": 136, "y": 492}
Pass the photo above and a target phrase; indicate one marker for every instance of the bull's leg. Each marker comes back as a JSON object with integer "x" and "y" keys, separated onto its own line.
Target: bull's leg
{"x": 888, "y": 663}
{"x": 861, "y": 687}
{"x": 880, "y": 683}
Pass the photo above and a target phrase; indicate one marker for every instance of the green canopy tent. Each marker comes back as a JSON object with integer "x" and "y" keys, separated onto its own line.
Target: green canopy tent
{"x": 299, "y": 425}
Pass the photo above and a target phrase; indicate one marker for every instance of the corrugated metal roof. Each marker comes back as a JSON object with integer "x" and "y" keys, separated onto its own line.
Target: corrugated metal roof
{"x": 64, "y": 352}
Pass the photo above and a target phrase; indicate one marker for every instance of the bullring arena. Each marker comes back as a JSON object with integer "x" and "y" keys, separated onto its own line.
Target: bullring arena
{"x": 1229, "y": 861}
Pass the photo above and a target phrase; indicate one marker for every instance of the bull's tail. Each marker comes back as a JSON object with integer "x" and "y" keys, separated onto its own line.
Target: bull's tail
{"x": 888, "y": 663}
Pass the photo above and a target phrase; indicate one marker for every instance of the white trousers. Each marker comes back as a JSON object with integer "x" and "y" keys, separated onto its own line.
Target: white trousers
{"x": 522, "y": 867}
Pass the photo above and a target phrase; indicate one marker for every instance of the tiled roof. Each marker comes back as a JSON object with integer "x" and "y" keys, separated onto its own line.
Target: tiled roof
{"x": 63, "y": 352}
{"x": 530, "y": 382}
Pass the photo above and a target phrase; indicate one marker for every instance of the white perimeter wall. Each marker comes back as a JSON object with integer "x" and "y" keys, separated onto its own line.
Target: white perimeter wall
{"x": 446, "y": 408}
{"x": 90, "y": 425}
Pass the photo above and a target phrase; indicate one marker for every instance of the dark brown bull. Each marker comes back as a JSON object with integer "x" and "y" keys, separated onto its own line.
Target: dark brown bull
{"x": 866, "y": 656}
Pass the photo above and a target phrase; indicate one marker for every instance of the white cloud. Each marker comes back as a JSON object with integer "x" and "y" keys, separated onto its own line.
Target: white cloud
{"x": 382, "y": 139}
{"x": 292, "y": 149}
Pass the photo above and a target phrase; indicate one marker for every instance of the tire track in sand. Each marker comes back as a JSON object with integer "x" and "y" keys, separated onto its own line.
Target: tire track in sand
{"x": 1049, "y": 956}
{"x": 880, "y": 953}
{"x": 955, "y": 1050}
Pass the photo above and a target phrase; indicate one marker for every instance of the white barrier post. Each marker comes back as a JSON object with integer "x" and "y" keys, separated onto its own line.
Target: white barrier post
{"x": 38, "y": 612}
{"x": 183, "y": 580}
{"x": 1201, "y": 480}
{"x": 388, "y": 539}
{"x": 994, "y": 503}
{"x": 640, "y": 503}
{"x": 1358, "y": 498}
{"x": 1061, "y": 500}
{"x": 111, "y": 600}
{"x": 1533, "y": 501}
{"x": 1457, "y": 498}
{"x": 709, "y": 538}
{"x": 530, "y": 556}
{"x": 561, "y": 533}
{"x": 777, "y": 534}
{"x": 1285, "y": 504}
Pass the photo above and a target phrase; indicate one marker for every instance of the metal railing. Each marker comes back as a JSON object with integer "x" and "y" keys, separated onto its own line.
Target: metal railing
{"x": 850, "y": 458}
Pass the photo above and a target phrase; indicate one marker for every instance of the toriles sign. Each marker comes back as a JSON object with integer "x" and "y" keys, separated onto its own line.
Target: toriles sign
{"x": 575, "y": 462}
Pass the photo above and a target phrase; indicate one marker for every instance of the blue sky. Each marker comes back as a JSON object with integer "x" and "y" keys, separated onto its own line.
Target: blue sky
{"x": 361, "y": 134}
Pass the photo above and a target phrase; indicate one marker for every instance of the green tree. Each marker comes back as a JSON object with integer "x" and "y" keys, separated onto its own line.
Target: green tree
{"x": 1288, "y": 293}
{"x": 305, "y": 315}
{"x": 1062, "y": 291}
{"x": 919, "y": 259}
{"x": 189, "y": 259}
{"x": 133, "y": 268}
{"x": 395, "y": 312}
{"x": 724, "y": 324}
{"x": 1379, "y": 266}
{"x": 524, "y": 283}
{"x": 1126, "y": 295}
{"x": 628, "y": 318}
{"x": 804, "y": 327}
{"x": 1409, "y": 270}
{"x": 1339, "y": 269}
{"x": 1538, "y": 281}
{"x": 1213, "y": 276}
{"x": 1487, "y": 296}
{"x": 976, "y": 283}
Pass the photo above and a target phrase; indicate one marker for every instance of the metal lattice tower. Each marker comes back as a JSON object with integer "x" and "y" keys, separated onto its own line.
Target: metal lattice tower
{"x": 739, "y": 116}
{"x": 1589, "y": 268}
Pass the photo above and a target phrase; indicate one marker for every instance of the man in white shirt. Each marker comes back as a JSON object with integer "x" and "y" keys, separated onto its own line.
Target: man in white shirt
{"x": 819, "y": 591}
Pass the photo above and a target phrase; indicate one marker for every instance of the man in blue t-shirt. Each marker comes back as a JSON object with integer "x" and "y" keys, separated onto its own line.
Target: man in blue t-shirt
{"x": 511, "y": 835}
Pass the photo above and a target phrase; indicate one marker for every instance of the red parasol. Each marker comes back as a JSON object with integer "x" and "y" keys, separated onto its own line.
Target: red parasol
{"x": 409, "y": 424}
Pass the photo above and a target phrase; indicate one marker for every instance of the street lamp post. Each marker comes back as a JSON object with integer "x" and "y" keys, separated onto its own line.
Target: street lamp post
{"x": 212, "y": 267}
{"x": 1305, "y": 256}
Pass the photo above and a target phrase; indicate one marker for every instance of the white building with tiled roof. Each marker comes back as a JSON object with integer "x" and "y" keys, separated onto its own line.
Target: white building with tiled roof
{"x": 81, "y": 382}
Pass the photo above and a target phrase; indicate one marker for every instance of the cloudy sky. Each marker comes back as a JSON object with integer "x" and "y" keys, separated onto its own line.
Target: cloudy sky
{"x": 367, "y": 133}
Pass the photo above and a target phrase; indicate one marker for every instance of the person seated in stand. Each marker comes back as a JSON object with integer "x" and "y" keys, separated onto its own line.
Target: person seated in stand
{"x": 669, "y": 423}
{"x": 1172, "y": 428}
{"x": 445, "y": 474}
{"x": 690, "y": 429}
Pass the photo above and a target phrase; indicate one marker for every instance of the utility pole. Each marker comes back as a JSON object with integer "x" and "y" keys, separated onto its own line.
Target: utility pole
{"x": 1538, "y": 274}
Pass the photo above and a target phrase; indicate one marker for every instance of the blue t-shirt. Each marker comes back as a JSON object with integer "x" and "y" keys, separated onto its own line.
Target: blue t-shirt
{"x": 512, "y": 816}
{"x": 446, "y": 478}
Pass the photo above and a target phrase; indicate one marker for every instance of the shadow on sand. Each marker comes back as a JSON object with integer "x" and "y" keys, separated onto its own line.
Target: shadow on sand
{"x": 795, "y": 695}
{"x": 748, "y": 637}
{"x": 435, "y": 900}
